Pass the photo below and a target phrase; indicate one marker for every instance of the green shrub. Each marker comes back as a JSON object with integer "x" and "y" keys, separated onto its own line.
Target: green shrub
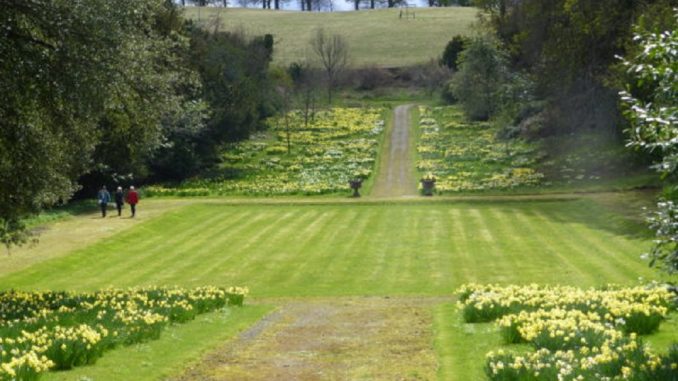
{"x": 452, "y": 50}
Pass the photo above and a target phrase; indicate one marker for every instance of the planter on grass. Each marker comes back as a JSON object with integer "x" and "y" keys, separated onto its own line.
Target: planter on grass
{"x": 355, "y": 185}
{"x": 428, "y": 184}
{"x": 427, "y": 187}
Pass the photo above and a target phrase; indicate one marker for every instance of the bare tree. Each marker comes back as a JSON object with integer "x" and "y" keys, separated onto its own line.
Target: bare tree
{"x": 332, "y": 51}
{"x": 305, "y": 78}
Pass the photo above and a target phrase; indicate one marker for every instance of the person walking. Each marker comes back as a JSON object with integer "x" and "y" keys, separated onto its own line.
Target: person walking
{"x": 119, "y": 200}
{"x": 133, "y": 200}
{"x": 103, "y": 198}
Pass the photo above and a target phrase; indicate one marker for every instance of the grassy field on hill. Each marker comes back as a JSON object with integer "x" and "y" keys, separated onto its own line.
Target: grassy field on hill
{"x": 376, "y": 37}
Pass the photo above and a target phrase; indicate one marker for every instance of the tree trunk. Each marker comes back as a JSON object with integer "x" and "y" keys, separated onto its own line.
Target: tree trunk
{"x": 309, "y": 6}
{"x": 306, "y": 93}
{"x": 313, "y": 101}
{"x": 371, "y": 4}
{"x": 330, "y": 85}
{"x": 356, "y": 3}
{"x": 287, "y": 128}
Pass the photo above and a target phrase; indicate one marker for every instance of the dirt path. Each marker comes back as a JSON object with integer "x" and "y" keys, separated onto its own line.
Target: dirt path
{"x": 396, "y": 177}
{"x": 369, "y": 338}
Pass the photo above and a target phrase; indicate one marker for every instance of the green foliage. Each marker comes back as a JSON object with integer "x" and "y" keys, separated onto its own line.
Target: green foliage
{"x": 654, "y": 116}
{"x": 664, "y": 222}
{"x": 233, "y": 70}
{"x": 102, "y": 92}
{"x": 83, "y": 87}
{"x": 568, "y": 47}
{"x": 452, "y": 51}
{"x": 482, "y": 72}
{"x": 651, "y": 106}
{"x": 179, "y": 156}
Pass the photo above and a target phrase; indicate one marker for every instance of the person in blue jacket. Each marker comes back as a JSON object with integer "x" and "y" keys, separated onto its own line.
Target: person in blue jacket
{"x": 103, "y": 198}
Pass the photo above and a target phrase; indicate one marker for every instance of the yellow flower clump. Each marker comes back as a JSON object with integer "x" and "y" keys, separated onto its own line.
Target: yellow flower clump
{"x": 577, "y": 334}
{"x": 62, "y": 329}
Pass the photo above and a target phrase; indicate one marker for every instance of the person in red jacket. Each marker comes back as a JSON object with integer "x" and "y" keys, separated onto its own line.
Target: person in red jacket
{"x": 133, "y": 200}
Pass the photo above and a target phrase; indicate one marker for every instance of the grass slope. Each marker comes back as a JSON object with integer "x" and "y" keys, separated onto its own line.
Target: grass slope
{"x": 359, "y": 249}
{"x": 375, "y": 37}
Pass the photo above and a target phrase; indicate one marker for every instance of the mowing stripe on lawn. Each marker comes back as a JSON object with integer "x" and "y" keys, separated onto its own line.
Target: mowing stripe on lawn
{"x": 195, "y": 252}
{"x": 343, "y": 249}
{"x": 605, "y": 250}
{"x": 555, "y": 249}
{"x": 460, "y": 258}
{"x": 564, "y": 238}
{"x": 125, "y": 260}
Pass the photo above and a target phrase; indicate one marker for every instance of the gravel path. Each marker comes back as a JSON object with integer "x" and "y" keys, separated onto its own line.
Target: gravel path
{"x": 396, "y": 177}
{"x": 369, "y": 338}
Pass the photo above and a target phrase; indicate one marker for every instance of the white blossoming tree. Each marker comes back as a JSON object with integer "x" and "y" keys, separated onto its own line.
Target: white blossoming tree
{"x": 651, "y": 106}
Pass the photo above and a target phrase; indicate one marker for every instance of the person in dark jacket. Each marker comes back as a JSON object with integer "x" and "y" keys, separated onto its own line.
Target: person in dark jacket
{"x": 103, "y": 197}
{"x": 133, "y": 200}
{"x": 119, "y": 200}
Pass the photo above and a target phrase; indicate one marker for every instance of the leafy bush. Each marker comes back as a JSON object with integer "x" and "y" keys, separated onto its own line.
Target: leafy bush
{"x": 452, "y": 50}
{"x": 653, "y": 113}
{"x": 482, "y": 73}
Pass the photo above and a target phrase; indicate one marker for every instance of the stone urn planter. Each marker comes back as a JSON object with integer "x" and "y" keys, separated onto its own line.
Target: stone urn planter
{"x": 355, "y": 185}
{"x": 427, "y": 187}
{"x": 428, "y": 184}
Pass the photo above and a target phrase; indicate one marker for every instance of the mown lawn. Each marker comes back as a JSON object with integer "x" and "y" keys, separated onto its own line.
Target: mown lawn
{"x": 356, "y": 249}
{"x": 327, "y": 249}
{"x": 375, "y": 37}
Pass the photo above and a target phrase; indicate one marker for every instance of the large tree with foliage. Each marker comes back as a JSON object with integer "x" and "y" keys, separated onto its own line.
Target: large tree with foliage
{"x": 651, "y": 105}
{"x": 568, "y": 48}
{"x": 478, "y": 83}
{"x": 236, "y": 86}
{"x": 77, "y": 78}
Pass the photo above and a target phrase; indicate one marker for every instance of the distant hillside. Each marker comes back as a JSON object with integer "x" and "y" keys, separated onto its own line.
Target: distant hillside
{"x": 376, "y": 37}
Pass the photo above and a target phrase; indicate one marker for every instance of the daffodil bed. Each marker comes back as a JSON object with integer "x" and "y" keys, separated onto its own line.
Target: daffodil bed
{"x": 468, "y": 156}
{"x": 576, "y": 334}
{"x": 336, "y": 146}
{"x": 40, "y": 331}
